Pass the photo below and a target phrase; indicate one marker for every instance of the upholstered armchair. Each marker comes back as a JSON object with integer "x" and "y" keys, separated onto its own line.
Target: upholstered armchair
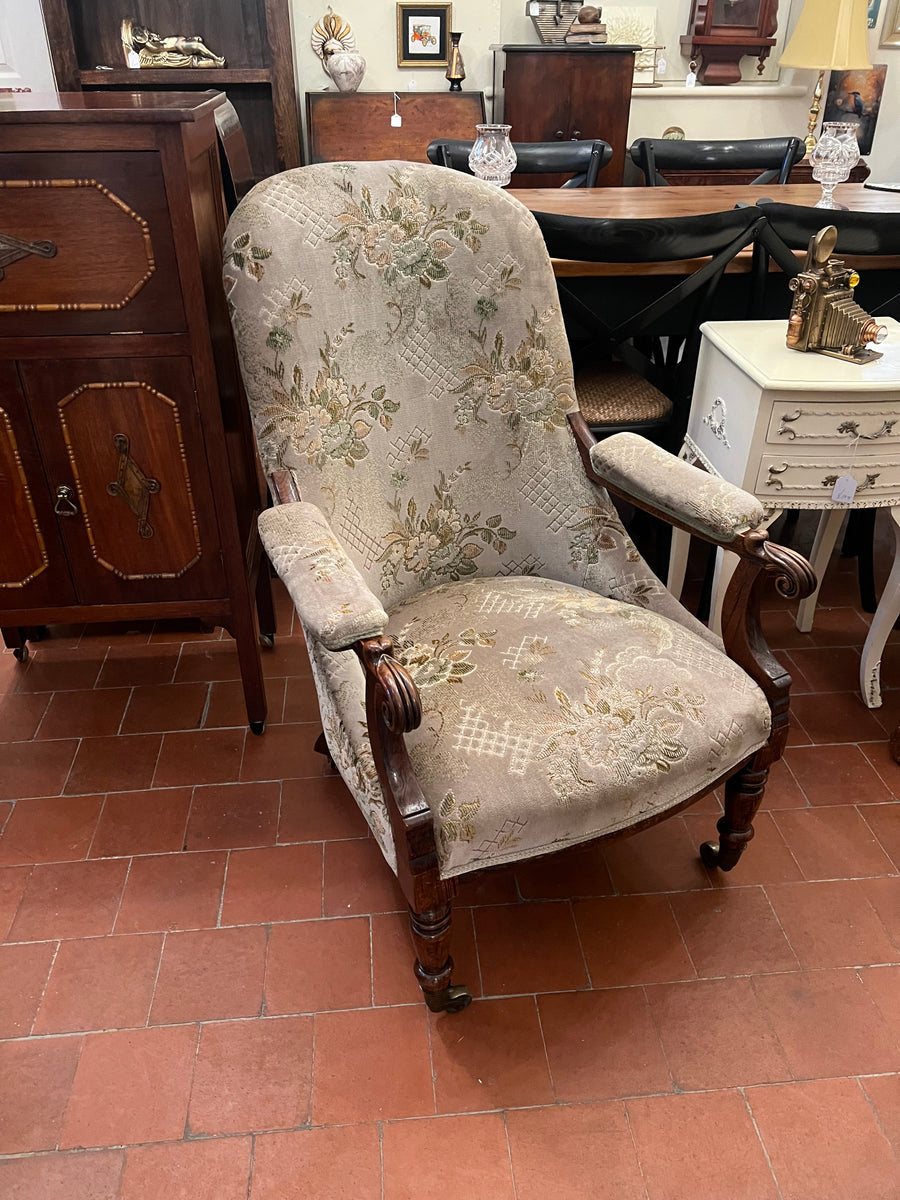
{"x": 499, "y": 673}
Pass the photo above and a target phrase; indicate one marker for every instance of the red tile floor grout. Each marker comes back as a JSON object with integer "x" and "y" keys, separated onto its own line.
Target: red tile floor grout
{"x": 205, "y": 973}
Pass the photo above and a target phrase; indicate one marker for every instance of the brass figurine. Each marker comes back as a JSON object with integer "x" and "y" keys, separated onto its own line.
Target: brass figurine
{"x": 824, "y": 316}
{"x": 175, "y": 51}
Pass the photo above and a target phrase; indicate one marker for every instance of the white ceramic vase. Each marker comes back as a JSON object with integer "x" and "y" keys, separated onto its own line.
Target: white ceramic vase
{"x": 346, "y": 68}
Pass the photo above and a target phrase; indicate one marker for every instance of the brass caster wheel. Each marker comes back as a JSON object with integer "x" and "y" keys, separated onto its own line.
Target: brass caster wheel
{"x": 450, "y": 1000}
{"x": 257, "y": 727}
{"x": 709, "y": 854}
{"x": 267, "y": 640}
{"x": 21, "y": 653}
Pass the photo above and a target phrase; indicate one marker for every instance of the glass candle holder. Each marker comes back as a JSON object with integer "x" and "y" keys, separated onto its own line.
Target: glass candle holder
{"x": 492, "y": 157}
{"x": 835, "y": 155}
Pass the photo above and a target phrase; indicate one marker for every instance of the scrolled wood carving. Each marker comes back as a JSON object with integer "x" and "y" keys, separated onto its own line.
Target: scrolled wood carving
{"x": 794, "y": 578}
{"x": 400, "y": 704}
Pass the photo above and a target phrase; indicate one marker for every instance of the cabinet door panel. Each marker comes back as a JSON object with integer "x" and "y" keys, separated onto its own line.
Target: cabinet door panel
{"x": 32, "y": 563}
{"x": 93, "y": 245}
{"x": 125, "y": 435}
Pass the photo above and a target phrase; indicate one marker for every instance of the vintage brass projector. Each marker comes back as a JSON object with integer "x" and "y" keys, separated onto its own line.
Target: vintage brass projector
{"x": 824, "y": 316}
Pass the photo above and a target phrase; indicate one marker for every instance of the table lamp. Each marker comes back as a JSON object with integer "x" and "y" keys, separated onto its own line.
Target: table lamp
{"x": 830, "y": 35}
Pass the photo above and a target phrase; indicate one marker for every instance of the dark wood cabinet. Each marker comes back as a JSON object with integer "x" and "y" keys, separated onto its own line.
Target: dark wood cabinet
{"x": 357, "y": 125}
{"x": 253, "y": 36}
{"x": 549, "y": 93}
{"x": 128, "y": 476}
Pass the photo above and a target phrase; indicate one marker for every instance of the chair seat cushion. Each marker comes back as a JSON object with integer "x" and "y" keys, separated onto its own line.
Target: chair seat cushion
{"x": 553, "y": 715}
{"x": 610, "y": 393}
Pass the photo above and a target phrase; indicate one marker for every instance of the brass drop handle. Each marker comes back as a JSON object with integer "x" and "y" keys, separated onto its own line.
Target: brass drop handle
{"x": 65, "y": 505}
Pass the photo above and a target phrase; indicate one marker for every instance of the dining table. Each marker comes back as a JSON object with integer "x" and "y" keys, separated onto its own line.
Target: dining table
{"x": 635, "y": 203}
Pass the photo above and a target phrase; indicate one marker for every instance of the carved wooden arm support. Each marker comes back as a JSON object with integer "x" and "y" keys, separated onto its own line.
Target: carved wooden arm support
{"x": 742, "y": 635}
{"x": 393, "y": 708}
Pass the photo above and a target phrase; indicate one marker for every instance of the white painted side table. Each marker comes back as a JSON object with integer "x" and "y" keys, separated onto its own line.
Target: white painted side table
{"x": 784, "y": 425}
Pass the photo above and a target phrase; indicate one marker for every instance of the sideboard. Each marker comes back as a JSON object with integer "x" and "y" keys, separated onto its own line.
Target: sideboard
{"x": 356, "y": 126}
{"x": 129, "y": 484}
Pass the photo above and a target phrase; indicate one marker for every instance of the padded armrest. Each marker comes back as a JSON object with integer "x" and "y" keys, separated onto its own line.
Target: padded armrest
{"x": 331, "y": 597}
{"x": 714, "y": 508}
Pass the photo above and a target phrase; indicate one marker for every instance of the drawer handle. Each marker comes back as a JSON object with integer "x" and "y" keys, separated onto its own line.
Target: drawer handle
{"x": 772, "y": 481}
{"x": 576, "y": 136}
{"x": 852, "y": 427}
{"x": 559, "y": 135}
{"x": 13, "y": 248}
{"x": 65, "y": 505}
{"x": 869, "y": 481}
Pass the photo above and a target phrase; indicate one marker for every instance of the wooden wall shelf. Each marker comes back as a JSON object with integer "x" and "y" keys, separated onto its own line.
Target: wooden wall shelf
{"x": 254, "y": 36}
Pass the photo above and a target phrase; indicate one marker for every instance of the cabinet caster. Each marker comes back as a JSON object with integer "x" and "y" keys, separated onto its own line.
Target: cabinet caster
{"x": 450, "y": 1000}
{"x": 21, "y": 653}
{"x": 257, "y": 727}
{"x": 267, "y": 640}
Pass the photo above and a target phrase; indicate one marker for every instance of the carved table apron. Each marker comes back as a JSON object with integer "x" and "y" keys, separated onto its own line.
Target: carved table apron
{"x": 784, "y": 426}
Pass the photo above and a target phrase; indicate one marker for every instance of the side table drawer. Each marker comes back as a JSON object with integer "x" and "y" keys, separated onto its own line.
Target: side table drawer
{"x": 834, "y": 424}
{"x": 808, "y": 482}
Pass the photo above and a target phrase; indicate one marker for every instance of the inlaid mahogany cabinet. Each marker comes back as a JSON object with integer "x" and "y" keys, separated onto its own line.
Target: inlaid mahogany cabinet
{"x": 129, "y": 485}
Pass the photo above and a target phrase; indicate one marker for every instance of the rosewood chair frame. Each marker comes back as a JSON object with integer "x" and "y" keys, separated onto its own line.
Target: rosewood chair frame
{"x": 393, "y": 708}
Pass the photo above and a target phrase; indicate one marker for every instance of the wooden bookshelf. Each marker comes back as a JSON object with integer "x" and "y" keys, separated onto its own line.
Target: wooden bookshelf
{"x": 254, "y": 36}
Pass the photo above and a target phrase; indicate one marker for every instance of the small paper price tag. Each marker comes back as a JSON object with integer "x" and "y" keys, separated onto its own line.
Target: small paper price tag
{"x": 661, "y": 65}
{"x": 534, "y": 9}
{"x": 844, "y": 490}
{"x": 396, "y": 120}
{"x": 690, "y": 80}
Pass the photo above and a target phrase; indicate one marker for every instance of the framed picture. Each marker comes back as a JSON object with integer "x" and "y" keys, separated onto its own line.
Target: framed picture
{"x": 872, "y": 13}
{"x": 855, "y": 96}
{"x": 890, "y": 30}
{"x": 423, "y": 34}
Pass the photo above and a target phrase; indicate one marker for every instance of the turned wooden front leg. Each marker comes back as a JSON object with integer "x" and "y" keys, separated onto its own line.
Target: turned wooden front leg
{"x": 743, "y": 796}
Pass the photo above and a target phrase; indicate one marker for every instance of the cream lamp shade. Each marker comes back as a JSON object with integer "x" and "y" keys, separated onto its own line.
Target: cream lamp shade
{"x": 830, "y": 35}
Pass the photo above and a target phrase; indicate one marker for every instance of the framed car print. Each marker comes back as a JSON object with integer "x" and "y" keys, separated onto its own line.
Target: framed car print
{"x": 423, "y": 34}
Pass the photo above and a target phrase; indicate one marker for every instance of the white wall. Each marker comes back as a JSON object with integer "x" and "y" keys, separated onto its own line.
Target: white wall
{"x": 776, "y": 102}
{"x": 24, "y": 54}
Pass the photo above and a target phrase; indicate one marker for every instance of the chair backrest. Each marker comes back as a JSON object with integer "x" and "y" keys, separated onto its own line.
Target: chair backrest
{"x": 405, "y": 360}
{"x": 773, "y": 157}
{"x": 583, "y": 160}
{"x": 789, "y": 227}
{"x": 663, "y": 310}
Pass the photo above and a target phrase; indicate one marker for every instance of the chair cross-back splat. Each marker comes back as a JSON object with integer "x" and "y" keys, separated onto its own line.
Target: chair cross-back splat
{"x": 499, "y": 673}
{"x": 774, "y": 158}
{"x": 582, "y": 159}
{"x": 635, "y": 367}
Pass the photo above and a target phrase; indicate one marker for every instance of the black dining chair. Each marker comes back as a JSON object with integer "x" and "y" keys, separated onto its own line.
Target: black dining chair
{"x": 636, "y": 337}
{"x": 787, "y": 230}
{"x": 582, "y": 160}
{"x": 773, "y": 157}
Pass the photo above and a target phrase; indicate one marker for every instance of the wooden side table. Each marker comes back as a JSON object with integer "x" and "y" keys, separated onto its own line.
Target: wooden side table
{"x": 784, "y": 426}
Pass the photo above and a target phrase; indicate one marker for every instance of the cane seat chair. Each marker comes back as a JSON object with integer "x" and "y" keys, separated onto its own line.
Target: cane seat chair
{"x": 583, "y": 160}
{"x": 774, "y": 158}
{"x": 635, "y": 337}
{"x": 498, "y": 672}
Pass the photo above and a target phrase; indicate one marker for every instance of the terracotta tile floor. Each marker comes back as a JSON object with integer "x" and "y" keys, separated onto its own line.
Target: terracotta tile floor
{"x": 205, "y": 984}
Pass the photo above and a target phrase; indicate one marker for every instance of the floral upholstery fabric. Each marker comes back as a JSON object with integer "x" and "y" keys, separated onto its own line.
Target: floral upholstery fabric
{"x": 551, "y": 715}
{"x": 405, "y": 359}
{"x": 328, "y": 592}
{"x": 710, "y": 505}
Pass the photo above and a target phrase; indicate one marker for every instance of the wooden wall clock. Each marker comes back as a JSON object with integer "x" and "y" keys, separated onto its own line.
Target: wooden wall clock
{"x": 722, "y": 32}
